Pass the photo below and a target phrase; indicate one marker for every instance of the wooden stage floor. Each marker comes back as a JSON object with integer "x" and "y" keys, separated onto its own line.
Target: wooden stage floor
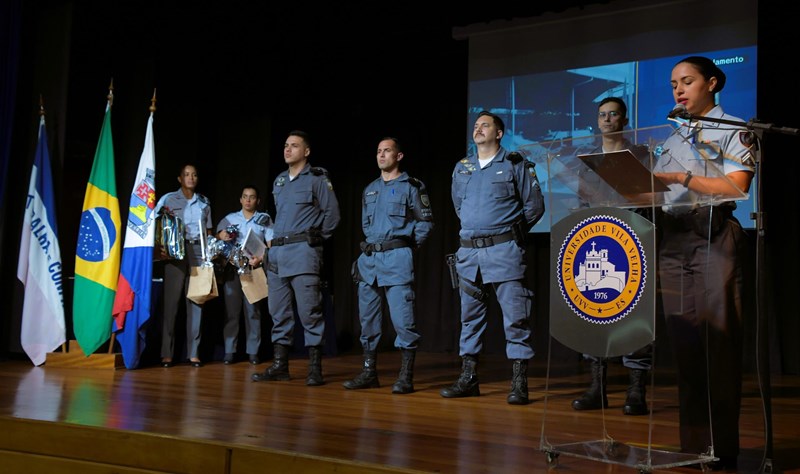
{"x": 183, "y": 419}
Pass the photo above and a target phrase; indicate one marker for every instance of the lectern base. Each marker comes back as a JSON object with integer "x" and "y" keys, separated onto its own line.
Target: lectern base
{"x": 614, "y": 452}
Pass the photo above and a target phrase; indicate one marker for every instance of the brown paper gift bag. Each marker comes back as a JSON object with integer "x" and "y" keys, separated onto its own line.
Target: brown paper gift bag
{"x": 254, "y": 285}
{"x": 202, "y": 284}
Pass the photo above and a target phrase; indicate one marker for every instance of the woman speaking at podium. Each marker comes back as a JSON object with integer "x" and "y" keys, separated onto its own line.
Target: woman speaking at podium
{"x": 701, "y": 255}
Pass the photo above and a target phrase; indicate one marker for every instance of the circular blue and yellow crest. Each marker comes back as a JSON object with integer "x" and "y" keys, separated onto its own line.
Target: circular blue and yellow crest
{"x": 601, "y": 269}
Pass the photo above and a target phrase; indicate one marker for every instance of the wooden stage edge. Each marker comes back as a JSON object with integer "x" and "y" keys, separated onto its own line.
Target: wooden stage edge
{"x": 215, "y": 420}
{"x": 31, "y": 446}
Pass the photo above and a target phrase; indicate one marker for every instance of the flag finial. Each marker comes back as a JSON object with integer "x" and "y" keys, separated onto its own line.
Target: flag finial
{"x": 110, "y": 95}
{"x": 41, "y": 105}
{"x": 153, "y": 102}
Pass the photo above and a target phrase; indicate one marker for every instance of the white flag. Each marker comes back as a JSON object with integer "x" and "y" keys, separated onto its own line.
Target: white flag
{"x": 39, "y": 268}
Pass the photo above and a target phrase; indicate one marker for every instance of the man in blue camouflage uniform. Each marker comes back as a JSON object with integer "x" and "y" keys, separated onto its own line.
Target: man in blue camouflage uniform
{"x": 396, "y": 218}
{"x": 195, "y": 211}
{"x": 306, "y": 213}
{"x": 497, "y": 197}
{"x": 260, "y": 224}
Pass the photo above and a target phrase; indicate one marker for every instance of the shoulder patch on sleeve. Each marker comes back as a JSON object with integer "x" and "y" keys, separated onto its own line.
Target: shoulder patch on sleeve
{"x": 262, "y": 218}
{"x": 531, "y": 167}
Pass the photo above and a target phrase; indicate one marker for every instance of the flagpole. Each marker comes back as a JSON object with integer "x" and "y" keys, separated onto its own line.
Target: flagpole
{"x": 42, "y": 113}
{"x": 110, "y": 98}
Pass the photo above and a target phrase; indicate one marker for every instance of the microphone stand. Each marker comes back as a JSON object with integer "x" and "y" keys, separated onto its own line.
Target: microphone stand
{"x": 757, "y": 130}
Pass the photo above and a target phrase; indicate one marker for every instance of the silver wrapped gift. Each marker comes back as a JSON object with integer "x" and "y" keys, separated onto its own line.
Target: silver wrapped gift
{"x": 169, "y": 234}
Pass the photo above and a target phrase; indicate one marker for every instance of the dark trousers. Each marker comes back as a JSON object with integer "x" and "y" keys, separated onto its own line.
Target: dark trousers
{"x": 176, "y": 283}
{"x": 702, "y": 284}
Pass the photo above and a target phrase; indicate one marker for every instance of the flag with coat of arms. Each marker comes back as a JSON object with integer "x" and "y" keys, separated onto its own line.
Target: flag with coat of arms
{"x": 133, "y": 300}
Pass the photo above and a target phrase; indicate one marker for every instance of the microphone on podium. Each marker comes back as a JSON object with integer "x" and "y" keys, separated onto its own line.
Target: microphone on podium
{"x": 680, "y": 112}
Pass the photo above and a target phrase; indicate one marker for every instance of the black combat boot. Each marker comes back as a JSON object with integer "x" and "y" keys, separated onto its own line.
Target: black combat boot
{"x": 314, "y": 366}
{"x": 636, "y": 396}
{"x": 595, "y": 396}
{"x": 368, "y": 378}
{"x": 519, "y": 384}
{"x": 467, "y": 383}
{"x": 279, "y": 370}
{"x": 405, "y": 383}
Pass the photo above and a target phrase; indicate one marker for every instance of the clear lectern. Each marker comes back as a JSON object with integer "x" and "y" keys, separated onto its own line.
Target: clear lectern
{"x": 603, "y": 299}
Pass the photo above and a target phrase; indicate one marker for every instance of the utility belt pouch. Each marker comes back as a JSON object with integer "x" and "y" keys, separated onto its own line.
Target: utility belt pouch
{"x": 314, "y": 237}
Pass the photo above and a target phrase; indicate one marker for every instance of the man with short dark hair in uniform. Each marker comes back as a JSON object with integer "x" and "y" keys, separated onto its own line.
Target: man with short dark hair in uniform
{"x": 497, "y": 197}
{"x": 396, "y": 218}
{"x": 306, "y": 213}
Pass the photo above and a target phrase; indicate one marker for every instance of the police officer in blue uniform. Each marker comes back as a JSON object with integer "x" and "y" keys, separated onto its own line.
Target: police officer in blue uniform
{"x": 702, "y": 258}
{"x": 260, "y": 224}
{"x": 612, "y": 117}
{"x": 396, "y": 218}
{"x": 195, "y": 211}
{"x": 497, "y": 197}
{"x": 306, "y": 213}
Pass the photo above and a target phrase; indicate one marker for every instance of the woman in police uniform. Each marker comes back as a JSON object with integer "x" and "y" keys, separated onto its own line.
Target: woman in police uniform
{"x": 195, "y": 211}
{"x": 701, "y": 259}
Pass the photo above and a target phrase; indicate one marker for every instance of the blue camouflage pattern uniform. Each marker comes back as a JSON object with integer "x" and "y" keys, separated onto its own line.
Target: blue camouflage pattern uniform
{"x": 489, "y": 202}
{"x": 397, "y": 213}
{"x": 260, "y": 223}
{"x": 306, "y": 213}
{"x": 196, "y": 216}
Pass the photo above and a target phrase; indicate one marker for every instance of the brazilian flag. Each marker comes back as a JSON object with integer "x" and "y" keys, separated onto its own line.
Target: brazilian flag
{"x": 97, "y": 257}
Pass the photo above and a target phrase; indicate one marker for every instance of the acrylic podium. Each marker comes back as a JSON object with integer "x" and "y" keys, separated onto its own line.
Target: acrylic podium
{"x": 603, "y": 294}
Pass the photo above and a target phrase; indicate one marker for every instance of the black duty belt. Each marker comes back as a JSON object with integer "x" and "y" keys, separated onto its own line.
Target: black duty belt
{"x": 290, "y": 239}
{"x": 384, "y": 246}
{"x": 483, "y": 242}
{"x": 193, "y": 242}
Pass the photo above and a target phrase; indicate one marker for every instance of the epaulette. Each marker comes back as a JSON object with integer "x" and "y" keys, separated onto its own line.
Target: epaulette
{"x": 262, "y": 218}
{"x": 464, "y": 160}
{"x": 203, "y": 199}
{"x": 414, "y": 182}
{"x": 515, "y": 157}
{"x": 317, "y": 171}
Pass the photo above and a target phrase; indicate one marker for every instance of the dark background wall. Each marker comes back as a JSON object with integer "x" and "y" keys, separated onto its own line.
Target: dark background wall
{"x": 233, "y": 78}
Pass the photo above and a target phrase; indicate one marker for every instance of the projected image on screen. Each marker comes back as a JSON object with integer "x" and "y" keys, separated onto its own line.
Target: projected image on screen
{"x": 562, "y": 105}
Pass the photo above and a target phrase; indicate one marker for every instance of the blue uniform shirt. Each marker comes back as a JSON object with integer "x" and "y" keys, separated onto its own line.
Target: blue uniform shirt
{"x": 259, "y": 222}
{"x": 306, "y": 202}
{"x": 705, "y": 149}
{"x": 396, "y": 209}
{"x": 488, "y": 201}
{"x": 192, "y": 211}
